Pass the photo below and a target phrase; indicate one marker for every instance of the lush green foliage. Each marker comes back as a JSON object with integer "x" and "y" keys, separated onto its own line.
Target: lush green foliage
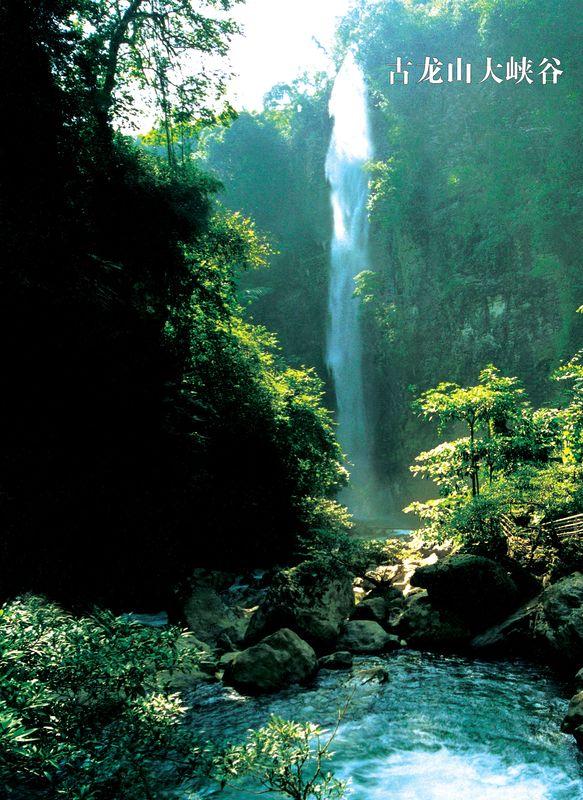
{"x": 87, "y": 712}
{"x": 325, "y": 553}
{"x": 285, "y": 757}
{"x": 83, "y": 713}
{"x": 517, "y": 463}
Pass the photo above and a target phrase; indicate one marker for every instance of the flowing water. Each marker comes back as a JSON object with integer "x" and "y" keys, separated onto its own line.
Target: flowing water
{"x": 350, "y": 148}
{"x": 441, "y": 728}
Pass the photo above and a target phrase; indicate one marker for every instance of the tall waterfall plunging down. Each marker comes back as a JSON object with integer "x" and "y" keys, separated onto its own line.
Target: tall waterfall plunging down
{"x": 350, "y": 148}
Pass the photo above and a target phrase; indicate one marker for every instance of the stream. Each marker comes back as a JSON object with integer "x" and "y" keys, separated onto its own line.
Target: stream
{"x": 442, "y": 728}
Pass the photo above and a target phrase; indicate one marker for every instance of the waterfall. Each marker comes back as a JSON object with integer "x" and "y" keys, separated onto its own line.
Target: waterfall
{"x": 350, "y": 147}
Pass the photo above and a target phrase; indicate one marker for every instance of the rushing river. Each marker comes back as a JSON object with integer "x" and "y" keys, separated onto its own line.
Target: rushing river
{"x": 441, "y": 728}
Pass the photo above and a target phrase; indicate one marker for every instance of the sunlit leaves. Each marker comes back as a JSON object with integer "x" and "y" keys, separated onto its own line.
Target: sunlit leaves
{"x": 508, "y": 463}
{"x": 286, "y": 757}
{"x": 78, "y": 703}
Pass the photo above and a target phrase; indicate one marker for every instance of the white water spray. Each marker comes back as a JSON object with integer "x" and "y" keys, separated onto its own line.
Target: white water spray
{"x": 350, "y": 148}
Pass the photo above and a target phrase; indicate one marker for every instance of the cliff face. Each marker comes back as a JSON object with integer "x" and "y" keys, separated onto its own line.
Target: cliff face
{"x": 474, "y": 210}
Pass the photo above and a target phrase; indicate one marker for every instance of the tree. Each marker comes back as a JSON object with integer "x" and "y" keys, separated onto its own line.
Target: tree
{"x": 171, "y": 423}
{"x": 516, "y": 461}
{"x": 489, "y": 406}
{"x": 167, "y": 47}
{"x": 504, "y": 433}
{"x": 572, "y": 372}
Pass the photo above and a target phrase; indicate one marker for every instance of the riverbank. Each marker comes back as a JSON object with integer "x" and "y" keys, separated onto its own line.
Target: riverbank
{"x": 268, "y": 631}
{"x": 122, "y": 704}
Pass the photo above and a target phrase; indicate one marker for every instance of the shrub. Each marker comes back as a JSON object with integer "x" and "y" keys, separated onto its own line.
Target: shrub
{"x": 82, "y": 714}
{"x": 286, "y": 757}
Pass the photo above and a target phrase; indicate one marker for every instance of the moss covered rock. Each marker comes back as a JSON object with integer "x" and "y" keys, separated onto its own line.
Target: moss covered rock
{"x": 313, "y": 599}
{"x": 278, "y": 661}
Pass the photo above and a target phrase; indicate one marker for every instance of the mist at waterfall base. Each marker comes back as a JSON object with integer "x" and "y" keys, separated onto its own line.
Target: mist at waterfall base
{"x": 350, "y": 149}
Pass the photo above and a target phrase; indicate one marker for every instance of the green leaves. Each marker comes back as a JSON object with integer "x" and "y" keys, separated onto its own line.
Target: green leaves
{"x": 515, "y": 460}
{"x": 491, "y": 401}
{"x": 82, "y": 716}
{"x": 286, "y": 757}
{"x": 78, "y": 707}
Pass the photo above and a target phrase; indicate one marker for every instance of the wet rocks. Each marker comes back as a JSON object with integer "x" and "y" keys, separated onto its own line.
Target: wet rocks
{"x": 218, "y": 605}
{"x": 337, "y": 661}
{"x": 276, "y": 662}
{"x": 311, "y": 601}
{"x": 573, "y": 722}
{"x": 366, "y": 636}
{"x": 515, "y": 635}
{"x": 475, "y": 589}
{"x": 549, "y": 626}
{"x": 423, "y": 625}
{"x": 210, "y": 619}
{"x": 371, "y": 608}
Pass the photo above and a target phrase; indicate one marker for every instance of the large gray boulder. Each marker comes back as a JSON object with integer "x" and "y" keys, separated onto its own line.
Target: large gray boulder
{"x": 549, "y": 626}
{"x": 372, "y": 608}
{"x": 573, "y": 722}
{"x": 423, "y": 625}
{"x": 560, "y": 623}
{"x": 278, "y": 661}
{"x": 476, "y": 589}
{"x": 310, "y": 600}
{"x": 515, "y": 635}
{"x": 366, "y": 636}
{"x": 211, "y": 619}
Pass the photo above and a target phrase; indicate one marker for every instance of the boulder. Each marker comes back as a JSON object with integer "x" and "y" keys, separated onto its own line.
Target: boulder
{"x": 278, "y": 661}
{"x": 514, "y": 635}
{"x": 211, "y": 619}
{"x": 366, "y": 636}
{"x": 549, "y": 626}
{"x": 423, "y": 625}
{"x": 579, "y": 680}
{"x": 312, "y": 601}
{"x": 371, "y": 608}
{"x": 188, "y": 643}
{"x": 341, "y": 660}
{"x": 398, "y": 576}
{"x": 384, "y": 575}
{"x": 226, "y": 659}
{"x": 390, "y": 594}
{"x": 560, "y": 623}
{"x": 476, "y": 589}
{"x": 573, "y": 722}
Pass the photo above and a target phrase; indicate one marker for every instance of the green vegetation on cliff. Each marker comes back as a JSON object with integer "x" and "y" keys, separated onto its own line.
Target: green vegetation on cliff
{"x": 475, "y": 207}
{"x": 514, "y": 470}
